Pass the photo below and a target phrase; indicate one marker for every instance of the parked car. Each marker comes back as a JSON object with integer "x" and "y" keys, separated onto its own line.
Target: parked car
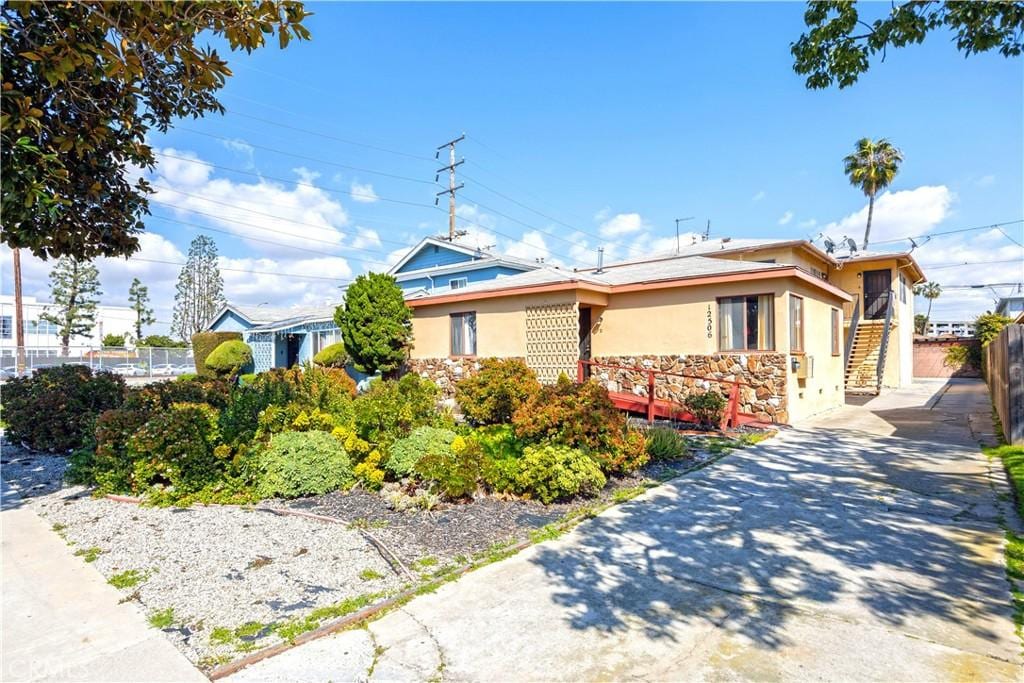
{"x": 127, "y": 370}
{"x": 10, "y": 372}
{"x": 165, "y": 370}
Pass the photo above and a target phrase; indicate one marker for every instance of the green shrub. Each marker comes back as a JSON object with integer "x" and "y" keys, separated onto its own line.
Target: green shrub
{"x": 333, "y": 356}
{"x": 550, "y": 473}
{"x": 496, "y": 391}
{"x": 576, "y": 415}
{"x": 293, "y": 417}
{"x": 240, "y": 419}
{"x": 247, "y": 378}
{"x": 626, "y": 453}
{"x": 502, "y": 474}
{"x": 498, "y": 441}
{"x": 329, "y": 389}
{"x": 203, "y": 344}
{"x": 187, "y": 377}
{"x": 176, "y": 448}
{"x": 229, "y": 358}
{"x": 454, "y": 471}
{"x": 302, "y": 463}
{"x": 162, "y": 341}
{"x": 111, "y": 466}
{"x": 54, "y": 410}
{"x": 665, "y": 443}
{"x": 423, "y": 441}
{"x": 390, "y": 410}
{"x": 162, "y": 395}
{"x": 707, "y": 407}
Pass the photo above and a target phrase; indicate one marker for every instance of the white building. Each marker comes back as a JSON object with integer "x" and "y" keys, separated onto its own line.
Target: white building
{"x": 41, "y": 337}
{"x": 950, "y": 328}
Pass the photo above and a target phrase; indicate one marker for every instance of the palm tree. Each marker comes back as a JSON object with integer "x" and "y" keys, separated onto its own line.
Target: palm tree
{"x": 930, "y": 291}
{"x": 871, "y": 167}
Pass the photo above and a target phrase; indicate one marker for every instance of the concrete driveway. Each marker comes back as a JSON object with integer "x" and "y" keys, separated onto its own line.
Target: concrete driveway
{"x": 863, "y": 546}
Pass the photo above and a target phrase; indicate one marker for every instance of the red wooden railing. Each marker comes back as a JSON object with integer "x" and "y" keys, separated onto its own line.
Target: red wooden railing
{"x": 654, "y": 407}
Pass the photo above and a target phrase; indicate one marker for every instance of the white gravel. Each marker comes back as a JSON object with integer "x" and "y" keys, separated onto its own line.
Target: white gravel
{"x": 216, "y": 566}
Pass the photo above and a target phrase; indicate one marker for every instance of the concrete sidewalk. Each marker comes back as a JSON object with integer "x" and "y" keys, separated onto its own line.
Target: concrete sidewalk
{"x": 62, "y": 622}
{"x": 864, "y": 546}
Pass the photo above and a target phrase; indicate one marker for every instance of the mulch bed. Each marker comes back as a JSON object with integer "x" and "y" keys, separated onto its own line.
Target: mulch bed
{"x": 454, "y": 531}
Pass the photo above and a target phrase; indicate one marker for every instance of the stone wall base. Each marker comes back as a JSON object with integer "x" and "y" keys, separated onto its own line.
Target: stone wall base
{"x": 763, "y": 376}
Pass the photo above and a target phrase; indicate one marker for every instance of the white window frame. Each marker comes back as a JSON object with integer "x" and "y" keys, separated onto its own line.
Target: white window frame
{"x": 458, "y": 282}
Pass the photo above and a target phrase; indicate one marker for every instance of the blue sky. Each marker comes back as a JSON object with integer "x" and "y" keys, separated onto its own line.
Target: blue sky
{"x": 613, "y": 119}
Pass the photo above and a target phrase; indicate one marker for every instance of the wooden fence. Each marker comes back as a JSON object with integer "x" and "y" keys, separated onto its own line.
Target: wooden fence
{"x": 1004, "y": 372}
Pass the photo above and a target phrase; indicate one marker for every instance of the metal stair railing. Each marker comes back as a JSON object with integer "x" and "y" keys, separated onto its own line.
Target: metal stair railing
{"x": 884, "y": 346}
{"x": 853, "y": 332}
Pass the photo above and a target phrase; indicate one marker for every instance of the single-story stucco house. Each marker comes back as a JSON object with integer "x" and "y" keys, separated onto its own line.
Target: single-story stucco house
{"x": 795, "y": 325}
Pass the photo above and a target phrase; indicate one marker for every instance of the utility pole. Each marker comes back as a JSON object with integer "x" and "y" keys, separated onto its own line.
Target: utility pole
{"x": 452, "y": 164}
{"x": 19, "y": 319}
{"x": 678, "y": 221}
{"x": 707, "y": 231}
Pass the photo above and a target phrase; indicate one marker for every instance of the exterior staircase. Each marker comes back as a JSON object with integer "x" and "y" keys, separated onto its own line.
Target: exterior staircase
{"x": 862, "y": 364}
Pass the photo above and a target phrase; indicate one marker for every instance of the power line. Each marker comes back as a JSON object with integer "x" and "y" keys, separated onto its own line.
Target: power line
{"x": 300, "y": 183}
{"x": 1007, "y": 236}
{"x": 948, "y": 232}
{"x": 245, "y": 270}
{"x": 309, "y": 158}
{"x": 970, "y": 263}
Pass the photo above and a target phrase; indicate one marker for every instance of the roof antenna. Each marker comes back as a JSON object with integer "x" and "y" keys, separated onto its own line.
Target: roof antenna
{"x": 678, "y": 221}
{"x": 707, "y": 231}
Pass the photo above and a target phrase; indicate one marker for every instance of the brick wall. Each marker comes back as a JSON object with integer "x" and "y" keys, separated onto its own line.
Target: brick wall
{"x": 929, "y": 355}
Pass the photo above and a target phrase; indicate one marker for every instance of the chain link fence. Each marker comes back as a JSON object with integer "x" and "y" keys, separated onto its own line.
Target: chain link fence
{"x": 143, "y": 362}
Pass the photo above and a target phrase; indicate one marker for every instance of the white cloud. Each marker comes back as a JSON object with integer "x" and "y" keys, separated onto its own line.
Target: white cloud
{"x": 602, "y": 215}
{"x": 786, "y": 218}
{"x": 761, "y": 194}
{"x": 363, "y": 193}
{"x": 246, "y": 150}
{"x": 622, "y": 224}
{"x": 907, "y": 213}
{"x": 986, "y": 180}
{"x": 365, "y": 238}
{"x": 530, "y": 246}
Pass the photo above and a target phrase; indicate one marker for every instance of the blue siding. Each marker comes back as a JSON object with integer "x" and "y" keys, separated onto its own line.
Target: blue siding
{"x": 440, "y": 282}
{"x": 230, "y": 322}
{"x": 432, "y": 256}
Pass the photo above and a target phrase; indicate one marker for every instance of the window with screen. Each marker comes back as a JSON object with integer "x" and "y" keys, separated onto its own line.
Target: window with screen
{"x": 6, "y": 327}
{"x": 463, "y": 334}
{"x": 458, "y": 283}
{"x": 745, "y": 323}
{"x": 796, "y": 323}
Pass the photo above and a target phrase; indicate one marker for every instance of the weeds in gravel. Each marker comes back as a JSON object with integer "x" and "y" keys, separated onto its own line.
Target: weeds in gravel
{"x": 260, "y": 561}
{"x": 364, "y": 523}
{"x": 370, "y": 575}
{"x": 622, "y": 495}
{"x": 292, "y": 629}
{"x": 424, "y": 563}
{"x": 89, "y": 554}
{"x": 128, "y": 578}
{"x": 162, "y": 618}
{"x": 58, "y": 527}
{"x": 222, "y": 635}
{"x": 211, "y": 661}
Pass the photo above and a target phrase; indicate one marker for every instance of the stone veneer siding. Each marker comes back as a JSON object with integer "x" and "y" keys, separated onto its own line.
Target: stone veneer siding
{"x": 763, "y": 373}
{"x": 444, "y": 372}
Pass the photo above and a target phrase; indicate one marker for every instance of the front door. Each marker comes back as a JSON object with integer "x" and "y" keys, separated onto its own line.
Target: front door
{"x": 585, "y": 340}
{"x": 877, "y": 290}
{"x": 294, "y": 344}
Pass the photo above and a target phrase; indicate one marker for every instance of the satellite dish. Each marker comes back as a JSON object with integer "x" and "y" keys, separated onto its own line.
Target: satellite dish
{"x": 830, "y": 246}
{"x": 852, "y": 245}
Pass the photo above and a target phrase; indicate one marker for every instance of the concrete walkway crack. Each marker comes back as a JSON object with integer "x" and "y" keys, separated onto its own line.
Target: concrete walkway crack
{"x": 441, "y": 660}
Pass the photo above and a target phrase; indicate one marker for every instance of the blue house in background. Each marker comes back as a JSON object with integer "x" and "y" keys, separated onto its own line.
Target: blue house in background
{"x": 281, "y": 338}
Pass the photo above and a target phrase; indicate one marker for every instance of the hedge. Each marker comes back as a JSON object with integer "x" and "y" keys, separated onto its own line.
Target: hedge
{"x": 203, "y": 344}
{"x": 230, "y": 358}
{"x": 333, "y": 356}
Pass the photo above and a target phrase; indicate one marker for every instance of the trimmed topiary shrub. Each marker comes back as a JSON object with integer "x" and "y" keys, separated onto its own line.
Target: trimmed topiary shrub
{"x": 550, "y": 473}
{"x": 54, "y": 410}
{"x": 405, "y": 453}
{"x": 176, "y": 448}
{"x": 203, "y": 344}
{"x": 707, "y": 407}
{"x": 390, "y": 410}
{"x": 665, "y": 443}
{"x": 230, "y": 358}
{"x": 333, "y": 356}
{"x": 300, "y": 464}
{"x": 496, "y": 391}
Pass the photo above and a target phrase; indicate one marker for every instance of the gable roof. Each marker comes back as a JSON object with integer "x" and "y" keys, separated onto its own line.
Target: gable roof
{"x": 477, "y": 259}
{"x": 254, "y": 315}
{"x": 263, "y": 318}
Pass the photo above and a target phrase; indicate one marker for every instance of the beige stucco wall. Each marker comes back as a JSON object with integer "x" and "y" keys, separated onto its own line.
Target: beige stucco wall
{"x": 661, "y": 322}
{"x": 790, "y": 255}
{"x": 899, "y": 361}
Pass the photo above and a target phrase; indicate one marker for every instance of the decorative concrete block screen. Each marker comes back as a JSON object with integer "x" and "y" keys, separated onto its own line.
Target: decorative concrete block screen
{"x": 552, "y": 340}
{"x": 262, "y": 345}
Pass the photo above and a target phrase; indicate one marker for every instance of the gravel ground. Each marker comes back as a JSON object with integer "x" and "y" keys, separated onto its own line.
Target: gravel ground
{"x": 452, "y": 532}
{"x": 27, "y": 474}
